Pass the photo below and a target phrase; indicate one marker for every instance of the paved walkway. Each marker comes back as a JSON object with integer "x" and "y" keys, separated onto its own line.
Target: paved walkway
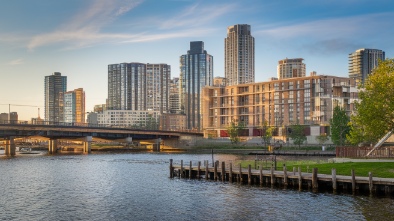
{"x": 341, "y": 160}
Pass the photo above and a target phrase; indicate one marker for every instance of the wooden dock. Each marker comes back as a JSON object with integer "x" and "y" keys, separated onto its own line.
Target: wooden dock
{"x": 292, "y": 179}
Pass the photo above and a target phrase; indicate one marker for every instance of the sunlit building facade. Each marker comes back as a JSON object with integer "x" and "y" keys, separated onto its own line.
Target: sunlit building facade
{"x": 239, "y": 55}
{"x": 306, "y": 100}
{"x": 74, "y": 106}
{"x": 362, "y": 62}
{"x": 291, "y": 68}
{"x": 158, "y": 79}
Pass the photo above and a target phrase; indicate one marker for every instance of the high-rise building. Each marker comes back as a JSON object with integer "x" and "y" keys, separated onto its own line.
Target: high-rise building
{"x": 74, "y": 106}
{"x": 291, "y": 68}
{"x": 55, "y": 87}
{"x": 138, "y": 86}
{"x": 158, "y": 77}
{"x": 196, "y": 72}
{"x": 126, "y": 86}
{"x": 362, "y": 62}
{"x": 174, "y": 96}
{"x": 239, "y": 55}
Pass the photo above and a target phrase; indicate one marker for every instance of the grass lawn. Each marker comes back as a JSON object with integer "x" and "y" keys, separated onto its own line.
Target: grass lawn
{"x": 378, "y": 169}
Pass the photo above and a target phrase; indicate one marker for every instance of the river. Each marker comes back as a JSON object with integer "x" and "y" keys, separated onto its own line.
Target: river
{"x": 136, "y": 186}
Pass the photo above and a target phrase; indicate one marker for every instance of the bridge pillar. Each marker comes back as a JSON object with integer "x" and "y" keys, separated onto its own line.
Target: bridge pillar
{"x": 156, "y": 145}
{"x": 9, "y": 147}
{"x": 87, "y": 147}
{"x": 52, "y": 146}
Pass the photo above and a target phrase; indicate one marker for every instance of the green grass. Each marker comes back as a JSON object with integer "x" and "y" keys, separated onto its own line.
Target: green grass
{"x": 378, "y": 169}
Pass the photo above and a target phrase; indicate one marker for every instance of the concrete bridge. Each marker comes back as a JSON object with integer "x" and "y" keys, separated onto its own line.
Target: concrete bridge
{"x": 84, "y": 133}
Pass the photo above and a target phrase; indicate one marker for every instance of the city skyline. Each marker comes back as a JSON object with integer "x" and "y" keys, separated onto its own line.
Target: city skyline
{"x": 80, "y": 39}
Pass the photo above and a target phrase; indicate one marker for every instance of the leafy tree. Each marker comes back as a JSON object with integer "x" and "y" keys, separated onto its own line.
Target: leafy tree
{"x": 266, "y": 133}
{"x": 375, "y": 111}
{"x": 322, "y": 138}
{"x": 151, "y": 123}
{"x": 233, "y": 131}
{"x": 297, "y": 134}
{"x": 339, "y": 126}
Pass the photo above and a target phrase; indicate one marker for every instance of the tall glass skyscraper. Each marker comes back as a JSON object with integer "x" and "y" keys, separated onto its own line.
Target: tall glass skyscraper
{"x": 239, "y": 55}
{"x": 362, "y": 62}
{"x": 55, "y": 87}
{"x": 196, "y": 71}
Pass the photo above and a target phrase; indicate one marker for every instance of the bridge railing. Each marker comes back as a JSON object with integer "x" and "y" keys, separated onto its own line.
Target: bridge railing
{"x": 68, "y": 124}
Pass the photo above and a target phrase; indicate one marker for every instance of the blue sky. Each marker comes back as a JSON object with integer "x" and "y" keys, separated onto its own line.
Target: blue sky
{"x": 80, "y": 38}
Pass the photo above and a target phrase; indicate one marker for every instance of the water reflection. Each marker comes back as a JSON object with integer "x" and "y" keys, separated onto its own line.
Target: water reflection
{"x": 136, "y": 187}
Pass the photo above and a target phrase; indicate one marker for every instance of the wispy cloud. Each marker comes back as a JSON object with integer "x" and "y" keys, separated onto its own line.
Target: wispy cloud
{"x": 16, "y": 62}
{"x": 84, "y": 28}
{"x": 328, "y": 28}
{"x": 197, "y": 15}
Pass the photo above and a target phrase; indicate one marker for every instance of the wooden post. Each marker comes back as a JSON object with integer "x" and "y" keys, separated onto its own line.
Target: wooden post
{"x": 261, "y": 175}
{"x": 353, "y": 182}
{"x": 181, "y": 174}
{"x": 334, "y": 179}
{"x": 370, "y": 181}
{"x": 198, "y": 170}
{"x": 314, "y": 179}
{"x": 294, "y": 171}
{"x": 223, "y": 171}
{"x": 171, "y": 170}
{"x": 190, "y": 170}
{"x": 272, "y": 176}
{"x": 206, "y": 170}
{"x": 285, "y": 175}
{"x": 299, "y": 178}
{"x": 240, "y": 173}
{"x": 215, "y": 171}
{"x": 249, "y": 174}
{"x": 230, "y": 173}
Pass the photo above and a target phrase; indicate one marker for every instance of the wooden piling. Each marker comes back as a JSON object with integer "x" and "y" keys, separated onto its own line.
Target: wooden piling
{"x": 223, "y": 171}
{"x": 199, "y": 170}
{"x": 181, "y": 175}
{"x": 230, "y": 173}
{"x": 314, "y": 179}
{"x": 171, "y": 169}
{"x": 249, "y": 174}
{"x": 285, "y": 175}
{"x": 294, "y": 171}
{"x": 215, "y": 171}
{"x": 190, "y": 170}
{"x": 272, "y": 176}
{"x": 261, "y": 175}
{"x": 240, "y": 173}
{"x": 299, "y": 178}
{"x": 206, "y": 170}
{"x": 353, "y": 181}
{"x": 334, "y": 179}
{"x": 370, "y": 181}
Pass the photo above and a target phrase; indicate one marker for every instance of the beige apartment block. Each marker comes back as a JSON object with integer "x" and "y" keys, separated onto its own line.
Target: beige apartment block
{"x": 307, "y": 100}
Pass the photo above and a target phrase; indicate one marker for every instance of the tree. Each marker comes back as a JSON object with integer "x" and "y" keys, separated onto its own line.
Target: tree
{"x": 266, "y": 133}
{"x": 233, "y": 131}
{"x": 322, "y": 138}
{"x": 297, "y": 134}
{"x": 339, "y": 126}
{"x": 375, "y": 111}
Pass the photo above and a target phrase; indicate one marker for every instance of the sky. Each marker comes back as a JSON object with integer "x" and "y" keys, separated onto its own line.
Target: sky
{"x": 80, "y": 38}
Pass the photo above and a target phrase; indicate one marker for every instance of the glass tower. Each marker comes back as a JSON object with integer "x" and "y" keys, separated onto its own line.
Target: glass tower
{"x": 55, "y": 87}
{"x": 196, "y": 71}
